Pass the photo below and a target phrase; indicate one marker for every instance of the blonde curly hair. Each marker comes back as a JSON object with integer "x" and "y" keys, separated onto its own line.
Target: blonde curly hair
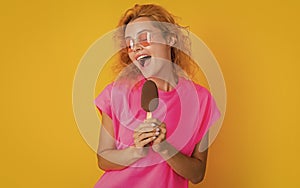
{"x": 165, "y": 21}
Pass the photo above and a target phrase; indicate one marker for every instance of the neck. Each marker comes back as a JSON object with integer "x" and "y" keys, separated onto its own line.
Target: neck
{"x": 166, "y": 84}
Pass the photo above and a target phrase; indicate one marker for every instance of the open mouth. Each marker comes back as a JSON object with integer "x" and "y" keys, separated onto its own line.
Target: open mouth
{"x": 143, "y": 59}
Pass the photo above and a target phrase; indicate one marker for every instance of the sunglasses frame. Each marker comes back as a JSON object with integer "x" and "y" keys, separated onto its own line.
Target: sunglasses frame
{"x": 131, "y": 42}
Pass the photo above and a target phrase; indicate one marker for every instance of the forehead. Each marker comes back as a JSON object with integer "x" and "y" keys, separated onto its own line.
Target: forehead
{"x": 139, "y": 25}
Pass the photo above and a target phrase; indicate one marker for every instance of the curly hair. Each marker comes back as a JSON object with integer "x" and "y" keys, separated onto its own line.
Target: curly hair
{"x": 165, "y": 21}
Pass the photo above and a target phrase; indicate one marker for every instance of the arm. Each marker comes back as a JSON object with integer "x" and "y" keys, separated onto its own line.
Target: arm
{"x": 108, "y": 156}
{"x": 191, "y": 168}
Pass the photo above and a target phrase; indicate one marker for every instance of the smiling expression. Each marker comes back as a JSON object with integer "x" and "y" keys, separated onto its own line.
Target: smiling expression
{"x": 146, "y": 46}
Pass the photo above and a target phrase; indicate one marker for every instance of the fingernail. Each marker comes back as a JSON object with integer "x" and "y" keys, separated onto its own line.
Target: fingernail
{"x": 157, "y": 133}
{"x": 157, "y": 129}
{"x": 153, "y": 137}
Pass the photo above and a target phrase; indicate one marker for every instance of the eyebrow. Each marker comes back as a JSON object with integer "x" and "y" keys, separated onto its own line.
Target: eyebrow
{"x": 149, "y": 30}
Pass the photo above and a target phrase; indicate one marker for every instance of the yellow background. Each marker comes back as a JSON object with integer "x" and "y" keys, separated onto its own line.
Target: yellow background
{"x": 255, "y": 42}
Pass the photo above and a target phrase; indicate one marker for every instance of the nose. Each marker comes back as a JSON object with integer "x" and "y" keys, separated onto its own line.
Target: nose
{"x": 137, "y": 47}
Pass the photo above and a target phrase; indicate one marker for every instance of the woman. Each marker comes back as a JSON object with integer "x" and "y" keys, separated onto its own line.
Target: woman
{"x": 162, "y": 151}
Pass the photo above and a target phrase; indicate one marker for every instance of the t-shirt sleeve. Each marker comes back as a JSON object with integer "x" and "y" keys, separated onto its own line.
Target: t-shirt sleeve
{"x": 103, "y": 101}
{"x": 209, "y": 112}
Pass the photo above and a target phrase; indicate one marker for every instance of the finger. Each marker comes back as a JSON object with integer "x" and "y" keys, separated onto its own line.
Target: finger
{"x": 163, "y": 129}
{"x": 160, "y": 138}
{"x": 147, "y": 141}
{"x": 137, "y": 143}
{"x": 142, "y": 143}
{"x": 163, "y": 125}
{"x": 157, "y": 141}
{"x": 153, "y": 132}
{"x": 146, "y": 136}
{"x": 136, "y": 135}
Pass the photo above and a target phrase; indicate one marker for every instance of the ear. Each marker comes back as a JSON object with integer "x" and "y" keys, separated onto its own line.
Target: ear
{"x": 172, "y": 40}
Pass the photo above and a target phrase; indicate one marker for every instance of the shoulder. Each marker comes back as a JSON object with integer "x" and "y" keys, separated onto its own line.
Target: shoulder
{"x": 107, "y": 89}
{"x": 104, "y": 95}
{"x": 120, "y": 88}
{"x": 201, "y": 91}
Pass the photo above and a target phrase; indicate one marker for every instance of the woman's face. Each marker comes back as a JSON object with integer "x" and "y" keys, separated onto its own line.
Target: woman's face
{"x": 147, "y": 48}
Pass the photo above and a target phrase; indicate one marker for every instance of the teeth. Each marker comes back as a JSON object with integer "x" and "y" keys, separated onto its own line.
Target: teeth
{"x": 140, "y": 57}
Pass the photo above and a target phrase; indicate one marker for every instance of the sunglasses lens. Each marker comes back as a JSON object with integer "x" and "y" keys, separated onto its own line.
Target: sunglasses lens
{"x": 143, "y": 39}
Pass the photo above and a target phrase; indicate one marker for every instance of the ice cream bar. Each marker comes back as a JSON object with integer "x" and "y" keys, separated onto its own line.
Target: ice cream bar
{"x": 149, "y": 99}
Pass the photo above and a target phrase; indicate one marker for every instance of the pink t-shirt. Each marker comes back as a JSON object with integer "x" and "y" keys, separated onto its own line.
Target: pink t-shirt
{"x": 188, "y": 111}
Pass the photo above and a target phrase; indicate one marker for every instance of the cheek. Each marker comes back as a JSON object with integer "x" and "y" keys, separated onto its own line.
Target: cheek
{"x": 161, "y": 51}
{"x": 131, "y": 56}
